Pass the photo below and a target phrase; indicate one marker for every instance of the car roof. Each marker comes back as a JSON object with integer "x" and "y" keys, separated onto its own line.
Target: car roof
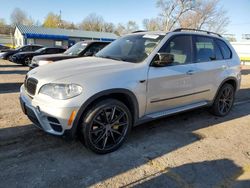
{"x": 180, "y": 30}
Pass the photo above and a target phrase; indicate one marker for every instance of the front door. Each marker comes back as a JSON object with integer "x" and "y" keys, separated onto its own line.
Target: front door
{"x": 172, "y": 86}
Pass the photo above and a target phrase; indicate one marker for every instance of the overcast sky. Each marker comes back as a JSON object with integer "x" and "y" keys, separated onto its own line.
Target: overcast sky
{"x": 118, "y": 11}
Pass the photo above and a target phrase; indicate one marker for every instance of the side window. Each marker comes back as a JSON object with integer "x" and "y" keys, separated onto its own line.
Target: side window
{"x": 180, "y": 47}
{"x": 204, "y": 49}
{"x": 34, "y": 48}
{"x": 51, "y": 50}
{"x": 226, "y": 52}
{"x": 218, "y": 53}
{"x": 94, "y": 48}
{"x": 60, "y": 50}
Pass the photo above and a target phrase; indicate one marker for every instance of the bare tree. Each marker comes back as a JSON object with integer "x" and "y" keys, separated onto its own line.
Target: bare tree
{"x": 129, "y": 27}
{"x": 120, "y": 29}
{"x": 92, "y": 22}
{"x": 206, "y": 15}
{"x": 153, "y": 24}
{"x": 18, "y": 16}
{"x": 199, "y": 14}
{"x": 108, "y": 27}
{"x": 173, "y": 10}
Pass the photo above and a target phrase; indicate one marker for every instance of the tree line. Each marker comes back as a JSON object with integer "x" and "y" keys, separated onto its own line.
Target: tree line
{"x": 197, "y": 14}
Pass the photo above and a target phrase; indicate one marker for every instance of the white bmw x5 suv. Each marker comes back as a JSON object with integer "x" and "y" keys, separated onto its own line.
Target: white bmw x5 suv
{"x": 137, "y": 78}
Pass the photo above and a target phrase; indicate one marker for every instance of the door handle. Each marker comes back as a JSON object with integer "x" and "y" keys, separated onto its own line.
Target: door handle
{"x": 190, "y": 72}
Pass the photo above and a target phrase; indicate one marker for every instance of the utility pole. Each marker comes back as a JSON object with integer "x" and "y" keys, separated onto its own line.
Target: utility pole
{"x": 60, "y": 19}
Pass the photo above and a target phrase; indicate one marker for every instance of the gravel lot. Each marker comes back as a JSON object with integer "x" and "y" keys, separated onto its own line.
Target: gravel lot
{"x": 192, "y": 149}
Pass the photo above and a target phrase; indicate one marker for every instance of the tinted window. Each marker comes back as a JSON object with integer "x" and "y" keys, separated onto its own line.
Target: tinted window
{"x": 227, "y": 54}
{"x": 34, "y": 48}
{"x": 206, "y": 50}
{"x": 76, "y": 49}
{"x": 94, "y": 48}
{"x": 51, "y": 50}
{"x": 218, "y": 53}
{"x": 60, "y": 50}
{"x": 180, "y": 47}
{"x": 25, "y": 49}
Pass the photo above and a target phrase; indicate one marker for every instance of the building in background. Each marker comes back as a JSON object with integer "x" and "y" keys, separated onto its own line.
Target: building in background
{"x": 56, "y": 37}
{"x": 243, "y": 48}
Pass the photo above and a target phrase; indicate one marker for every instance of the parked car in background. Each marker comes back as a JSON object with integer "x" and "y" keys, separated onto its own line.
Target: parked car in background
{"x": 80, "y": 49}
{"x": 137, "y": 78}
{"x": 26, "y": 57}
{"x": 27, "y": 48}
{"x": 4, "y": 48}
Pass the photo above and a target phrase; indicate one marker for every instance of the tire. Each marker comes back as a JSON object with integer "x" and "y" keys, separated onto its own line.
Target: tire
{"x": 26, "y": 61}
{"x": 9, "y": 58}
{"x": 106, "y": 126}
{"x": 224, "y": 100}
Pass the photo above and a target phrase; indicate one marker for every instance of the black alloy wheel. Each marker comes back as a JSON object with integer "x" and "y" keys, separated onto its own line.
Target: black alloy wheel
{"x": 224, "y": 100}
{"x": 106, "y": 126}
{"x": 27, "y": 61}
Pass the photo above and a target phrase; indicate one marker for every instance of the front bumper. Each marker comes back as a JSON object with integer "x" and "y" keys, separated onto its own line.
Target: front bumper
{"x": 16, "y": 59}
{"x": 53, "y": 120}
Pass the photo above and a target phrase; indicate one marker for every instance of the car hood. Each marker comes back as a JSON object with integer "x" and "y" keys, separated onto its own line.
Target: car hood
{"x": 84, "y": 66}
{"x": 53, "y": 57}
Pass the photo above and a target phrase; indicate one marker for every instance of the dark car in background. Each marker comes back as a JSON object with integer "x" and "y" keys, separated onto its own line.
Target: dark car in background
{"x": 80, "y": 49}
{"x": 4, "y": 48}
{"x": 27, "y": 48}
{"x": 26, "y": 57}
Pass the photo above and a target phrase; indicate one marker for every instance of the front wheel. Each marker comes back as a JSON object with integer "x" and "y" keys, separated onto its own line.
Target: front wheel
{"x": 106, "y": 126}
{"x": 27, "y": 61}
{"x": 224, "y": 100}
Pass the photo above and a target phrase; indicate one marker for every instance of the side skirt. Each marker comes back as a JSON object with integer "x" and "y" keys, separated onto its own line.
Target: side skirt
{"x": 157, "y": 115}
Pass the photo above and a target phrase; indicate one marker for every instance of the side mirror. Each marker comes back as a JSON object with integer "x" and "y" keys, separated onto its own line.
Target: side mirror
{"x": 163, "y": 59}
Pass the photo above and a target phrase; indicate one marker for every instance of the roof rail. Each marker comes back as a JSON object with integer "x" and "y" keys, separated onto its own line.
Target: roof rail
{"x": 197, "y": 30}
{"x": 139, "y": 31}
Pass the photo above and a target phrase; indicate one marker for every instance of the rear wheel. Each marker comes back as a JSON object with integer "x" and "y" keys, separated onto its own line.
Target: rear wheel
{"x": 224, "y": 100}
{"x": 106, "y": 126}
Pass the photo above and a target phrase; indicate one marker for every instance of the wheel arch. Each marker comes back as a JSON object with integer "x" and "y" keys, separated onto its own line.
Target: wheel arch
{"x": 230, "y": 80}
{"x": 124, "y": 95}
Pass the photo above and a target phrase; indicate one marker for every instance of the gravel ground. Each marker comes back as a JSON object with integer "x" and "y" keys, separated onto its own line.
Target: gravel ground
{"x": 192, "y": 149}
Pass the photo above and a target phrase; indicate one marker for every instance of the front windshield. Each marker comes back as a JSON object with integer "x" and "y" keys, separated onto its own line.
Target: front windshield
{"x": 76, "y": 49}
{"x": 40, "y": 50}
{"x": 131, "y": 48}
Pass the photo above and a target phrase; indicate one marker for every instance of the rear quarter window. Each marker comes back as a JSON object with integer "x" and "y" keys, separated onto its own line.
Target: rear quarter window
{"x": 226, "y": 52}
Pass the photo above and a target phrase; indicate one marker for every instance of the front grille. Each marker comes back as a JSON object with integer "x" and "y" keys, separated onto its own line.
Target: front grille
{"x": 30, "y": 85}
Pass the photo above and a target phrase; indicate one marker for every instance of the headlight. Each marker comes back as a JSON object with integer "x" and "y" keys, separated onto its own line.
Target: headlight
{"x": 40, "y": 63}
{"x": 61, "y": 91}
{"x": 2, "y": 54}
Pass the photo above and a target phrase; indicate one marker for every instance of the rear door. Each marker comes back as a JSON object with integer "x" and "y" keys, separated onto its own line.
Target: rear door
{"x": 210, "y": 67}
